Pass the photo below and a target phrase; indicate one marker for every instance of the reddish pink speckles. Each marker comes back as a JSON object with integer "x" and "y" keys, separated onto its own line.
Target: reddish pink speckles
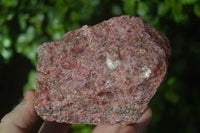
{"x": 77, "y": 50}
{"x": 101, "y": 74}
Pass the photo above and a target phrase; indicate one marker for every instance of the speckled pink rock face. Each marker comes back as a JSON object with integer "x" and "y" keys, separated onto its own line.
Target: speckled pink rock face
{"x": 101, "y": 74}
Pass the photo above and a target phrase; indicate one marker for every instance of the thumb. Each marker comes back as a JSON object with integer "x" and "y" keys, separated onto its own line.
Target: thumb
{"x": 22, "y": 118}
{"x": 137, "y": 127}
{"x": 143, "y": 121}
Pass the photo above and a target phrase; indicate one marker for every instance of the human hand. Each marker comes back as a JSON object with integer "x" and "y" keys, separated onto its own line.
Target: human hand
{"x": 23, "y": 118}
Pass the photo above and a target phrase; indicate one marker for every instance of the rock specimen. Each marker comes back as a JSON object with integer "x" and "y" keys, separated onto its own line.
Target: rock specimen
{"x": 101, "y": 74}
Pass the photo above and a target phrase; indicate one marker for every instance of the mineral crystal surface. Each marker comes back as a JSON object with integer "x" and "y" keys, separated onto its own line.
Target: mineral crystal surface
{"x": 101, "y": 74}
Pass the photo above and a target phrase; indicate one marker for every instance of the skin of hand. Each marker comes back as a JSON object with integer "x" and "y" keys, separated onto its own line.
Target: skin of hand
{"x": 23, "y": 118}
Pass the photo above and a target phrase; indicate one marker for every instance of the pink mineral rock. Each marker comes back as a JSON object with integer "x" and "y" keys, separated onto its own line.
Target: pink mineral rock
{"x": 101, "y": 74}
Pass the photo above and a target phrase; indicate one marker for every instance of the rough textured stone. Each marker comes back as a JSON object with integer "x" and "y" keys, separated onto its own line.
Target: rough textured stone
{"x": 101, "y": 74}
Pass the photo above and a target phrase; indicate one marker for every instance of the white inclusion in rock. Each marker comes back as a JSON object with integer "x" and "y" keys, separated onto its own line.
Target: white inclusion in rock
{"x": 107, "y": 84}
{"x": 145, "y": 72}
{"x": 112, "y": 64}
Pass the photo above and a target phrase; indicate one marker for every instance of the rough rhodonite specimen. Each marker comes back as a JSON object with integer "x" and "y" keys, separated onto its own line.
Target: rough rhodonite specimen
{"x": 101, "y": 74}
